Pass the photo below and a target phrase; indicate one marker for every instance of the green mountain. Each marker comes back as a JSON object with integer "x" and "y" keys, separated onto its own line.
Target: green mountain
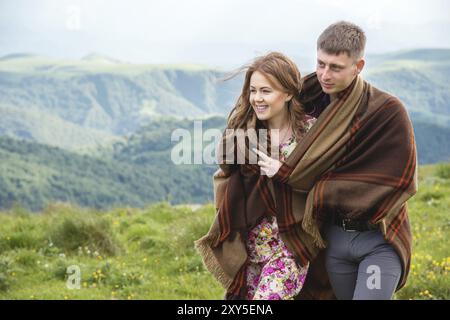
{"x": 99, "y": 99}
{"x": 138, "y": 170}
{"x": 80, "y": 104}
{"x": 433, "y": 143}
{"x": 135, "y": 173}
{"x": 420, "y": 78}
{"x": 97, "y": 132}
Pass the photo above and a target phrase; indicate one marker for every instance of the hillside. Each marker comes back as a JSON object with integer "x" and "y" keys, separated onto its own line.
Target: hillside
{"x": 97, "y": 100}
{"x": 136, "y": 171}
{"x": 420, "y": 78}
{"x": 433, "y": 142}
{"x": 96, "y": 132}
{"x": 148, "y": 253}
{"x": 32, "y": 174}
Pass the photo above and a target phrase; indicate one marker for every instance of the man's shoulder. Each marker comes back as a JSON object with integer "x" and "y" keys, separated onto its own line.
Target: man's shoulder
{"x": 384, "y": 97}
{"x": 383, "y": 103}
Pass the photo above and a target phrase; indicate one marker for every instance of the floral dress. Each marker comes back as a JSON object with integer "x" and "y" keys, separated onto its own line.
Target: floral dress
{"x": 272, "y": 272}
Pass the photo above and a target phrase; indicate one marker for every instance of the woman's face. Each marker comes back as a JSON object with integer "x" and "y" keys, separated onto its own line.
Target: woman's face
{"x": 267, "y": 101}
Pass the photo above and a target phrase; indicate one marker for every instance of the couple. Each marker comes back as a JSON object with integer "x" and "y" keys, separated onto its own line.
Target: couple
{"x": 326, "y": 217}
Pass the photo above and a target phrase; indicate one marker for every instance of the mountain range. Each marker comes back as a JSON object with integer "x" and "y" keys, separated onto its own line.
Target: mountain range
{"x": 97, "y": 131}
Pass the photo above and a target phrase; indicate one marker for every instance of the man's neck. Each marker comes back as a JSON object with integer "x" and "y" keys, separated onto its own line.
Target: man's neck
{"x": 337, "y": 95}
{"x": 334, "y": 96}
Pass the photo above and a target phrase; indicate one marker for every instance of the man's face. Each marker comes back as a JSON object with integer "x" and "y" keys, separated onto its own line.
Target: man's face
{"x": 336, "y": 72}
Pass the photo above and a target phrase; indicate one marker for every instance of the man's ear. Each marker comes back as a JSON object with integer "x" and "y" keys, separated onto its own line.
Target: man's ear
{"x": 360, "y": 65}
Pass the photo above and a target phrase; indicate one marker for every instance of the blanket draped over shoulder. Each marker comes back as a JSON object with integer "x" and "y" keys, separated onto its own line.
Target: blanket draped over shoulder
{"x": 357, "y": 161}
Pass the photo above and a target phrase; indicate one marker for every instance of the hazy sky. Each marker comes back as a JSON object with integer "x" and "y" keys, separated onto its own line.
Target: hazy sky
{"x": 213, "y": 32}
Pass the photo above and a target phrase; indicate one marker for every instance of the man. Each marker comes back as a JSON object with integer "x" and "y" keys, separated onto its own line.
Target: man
{"x": 365, "y": 222}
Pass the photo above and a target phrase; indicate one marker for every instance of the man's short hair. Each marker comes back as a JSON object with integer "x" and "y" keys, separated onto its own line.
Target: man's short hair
{"x": 341, "y": 37}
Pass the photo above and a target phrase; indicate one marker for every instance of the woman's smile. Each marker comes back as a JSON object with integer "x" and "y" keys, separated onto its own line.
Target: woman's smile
{"x": 261, "y": 108}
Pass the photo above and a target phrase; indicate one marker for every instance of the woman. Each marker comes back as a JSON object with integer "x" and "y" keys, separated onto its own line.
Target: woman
{"x": 266, "y": 268}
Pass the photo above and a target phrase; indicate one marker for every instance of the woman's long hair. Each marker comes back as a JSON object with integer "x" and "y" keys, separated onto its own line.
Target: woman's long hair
{"x": 275, "y": 66}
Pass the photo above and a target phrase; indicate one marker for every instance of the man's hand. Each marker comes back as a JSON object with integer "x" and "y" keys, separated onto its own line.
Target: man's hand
{"x": 268, "y": 165}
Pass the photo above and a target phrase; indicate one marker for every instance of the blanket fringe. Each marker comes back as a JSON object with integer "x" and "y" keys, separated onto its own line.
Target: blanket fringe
{"x": 310, "y": 227}
{"x": 203, "y": 246}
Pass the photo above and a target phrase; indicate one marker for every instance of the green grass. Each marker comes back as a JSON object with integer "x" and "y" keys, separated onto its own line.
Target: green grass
{"x": 430, "y": 222}
{"x": 128, "y": 253}
{"x": 123, "y": 253}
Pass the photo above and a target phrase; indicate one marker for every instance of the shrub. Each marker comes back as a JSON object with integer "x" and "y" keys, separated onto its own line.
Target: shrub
{"x": 76, "y": 232}
{"x": 443, "y": 170}
{"x": 27, "y": 258}
{"x": 5, "y": 270}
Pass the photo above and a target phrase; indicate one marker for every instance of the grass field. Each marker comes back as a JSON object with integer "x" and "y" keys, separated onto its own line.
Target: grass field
{"x": 127, "y": 253}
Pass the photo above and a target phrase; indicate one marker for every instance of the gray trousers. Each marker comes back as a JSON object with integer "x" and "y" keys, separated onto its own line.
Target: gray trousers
{"x": 361, "y": 265}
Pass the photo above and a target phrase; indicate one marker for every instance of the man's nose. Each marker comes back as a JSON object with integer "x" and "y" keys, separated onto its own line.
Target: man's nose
{"x": 326, "y": 73}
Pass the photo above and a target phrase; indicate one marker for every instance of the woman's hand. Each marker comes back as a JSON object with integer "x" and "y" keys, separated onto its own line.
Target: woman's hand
{"x": 269, "y": 166}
